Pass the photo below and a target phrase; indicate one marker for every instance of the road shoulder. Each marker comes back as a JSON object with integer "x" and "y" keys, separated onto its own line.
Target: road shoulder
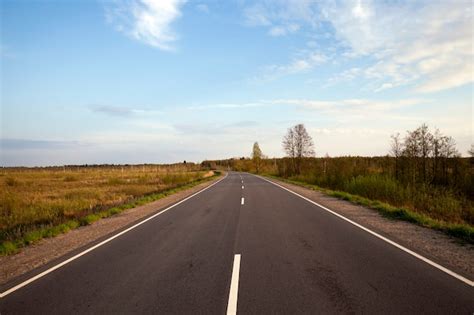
{"x": 50, "y": 249}
{"x": 432, "y": 244}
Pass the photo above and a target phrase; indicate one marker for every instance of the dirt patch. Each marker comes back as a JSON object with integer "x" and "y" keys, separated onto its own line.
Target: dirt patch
{"x": 432, "y": 244}
{"x": 209, "y": 174}
{"x": 47, "y": 250}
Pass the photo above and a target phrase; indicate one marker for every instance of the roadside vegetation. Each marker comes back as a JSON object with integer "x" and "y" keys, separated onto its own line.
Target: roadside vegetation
{"x": 423, "y": 179}
{"x": 43, "y": 202}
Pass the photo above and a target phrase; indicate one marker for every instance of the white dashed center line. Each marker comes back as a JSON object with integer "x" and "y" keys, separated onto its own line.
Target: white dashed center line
{"x": 242, "y": 201}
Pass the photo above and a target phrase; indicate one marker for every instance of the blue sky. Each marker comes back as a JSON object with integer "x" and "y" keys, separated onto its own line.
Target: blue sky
{"x": 138, "y": 81}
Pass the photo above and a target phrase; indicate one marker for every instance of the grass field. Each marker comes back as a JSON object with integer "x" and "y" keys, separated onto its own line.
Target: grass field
{"x": 43, "y": 202}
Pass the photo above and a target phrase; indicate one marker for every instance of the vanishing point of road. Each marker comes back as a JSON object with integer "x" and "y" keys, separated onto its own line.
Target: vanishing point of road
{"x": 246, "y": 246}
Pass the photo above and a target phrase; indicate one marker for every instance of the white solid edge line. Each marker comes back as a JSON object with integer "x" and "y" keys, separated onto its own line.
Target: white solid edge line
{"x": 234, "y": 287}
{"x": 426, "y": 260}
{"x": 242, "y": 201}
{"x": 42, "y": 274}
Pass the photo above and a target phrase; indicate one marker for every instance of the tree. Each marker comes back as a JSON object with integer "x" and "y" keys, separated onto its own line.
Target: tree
{"x": 298, "y": 144}
{"x": 425, "y": 157}
{"x": 437, "y": 143}
{"x": 412, "y": 153}
{"x": 425, "y": 140}
{"x": 257, "y": 156}
{"x": 396, "y": 151}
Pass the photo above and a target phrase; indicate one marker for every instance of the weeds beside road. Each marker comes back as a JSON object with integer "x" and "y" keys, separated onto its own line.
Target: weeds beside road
{"x": 462, "y": 231}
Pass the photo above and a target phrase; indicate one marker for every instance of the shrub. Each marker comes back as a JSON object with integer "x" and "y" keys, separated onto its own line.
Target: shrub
{"x": 7, "y": 248}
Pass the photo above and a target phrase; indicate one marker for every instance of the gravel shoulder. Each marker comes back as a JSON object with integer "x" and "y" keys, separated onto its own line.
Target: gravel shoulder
{"x": 432, "y": 244}
{"x": 47, "y": 250}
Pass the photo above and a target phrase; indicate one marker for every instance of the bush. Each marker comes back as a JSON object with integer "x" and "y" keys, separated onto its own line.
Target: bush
{"x": 377, "y": 187}
{"x": 7, "y": 248}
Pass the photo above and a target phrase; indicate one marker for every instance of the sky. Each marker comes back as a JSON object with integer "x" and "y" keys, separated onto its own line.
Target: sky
{"x": 145, "y": 81}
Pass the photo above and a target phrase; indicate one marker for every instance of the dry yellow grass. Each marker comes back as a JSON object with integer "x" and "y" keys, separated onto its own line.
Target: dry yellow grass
{"x": 35, "y": 198}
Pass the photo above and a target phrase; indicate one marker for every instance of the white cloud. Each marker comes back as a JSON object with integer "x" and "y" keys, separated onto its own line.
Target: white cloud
{"x": 277, "y": 12}
{"x": 148, "y": 21}
{"x": 427, "y": 44}
{"x": 120, "y": 111}
{"x": 350, "y": 106}
{"x": 300, "y": 64}
{"x": 226, "y": 106}
{"x": 281, "y": 19}
{"x": 345, "y": 75}
{"x": 330, "y": 106}
{"x": 424, "y": 44}
{"x": 282, "y": 30}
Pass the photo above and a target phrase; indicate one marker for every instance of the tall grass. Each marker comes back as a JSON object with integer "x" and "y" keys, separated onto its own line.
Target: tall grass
{"x": 36, "y": 200}
{"x": 461, "y": 230}
{"x": 437, "y": 202}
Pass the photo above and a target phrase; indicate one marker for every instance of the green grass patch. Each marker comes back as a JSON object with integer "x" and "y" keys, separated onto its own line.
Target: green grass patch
{"x": 7, "y": 248}
{"x": 89, "y": 219}
{"x": 463, "y": 232}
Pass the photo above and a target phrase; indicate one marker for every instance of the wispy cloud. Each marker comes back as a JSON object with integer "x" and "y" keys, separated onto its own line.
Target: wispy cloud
{"x": 200, "y": 128}
{"x": 300, "y": 64}
{"x": 345, "y": 106}
{"x": 280, "y": 13}
{"x": 33, "y": 144}
{"x": 427, "y": 44}
{"x": 282, "y": 30}
{"x": 227, "y": 106}
{"x": 327, "y": 106}
{"x": 148, "y": 21}
{"x": 119, "y": 111}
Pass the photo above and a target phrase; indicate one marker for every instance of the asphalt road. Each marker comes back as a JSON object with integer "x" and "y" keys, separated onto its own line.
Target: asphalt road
{"x": 294, "y": 258}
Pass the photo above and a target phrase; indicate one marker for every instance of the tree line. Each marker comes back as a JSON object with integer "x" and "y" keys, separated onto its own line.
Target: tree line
{"x": 422, "y": 170}
{"x": 426, "y": 157}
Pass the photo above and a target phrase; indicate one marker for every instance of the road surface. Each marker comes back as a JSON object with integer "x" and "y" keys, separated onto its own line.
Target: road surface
{"x": 242, "y": 245}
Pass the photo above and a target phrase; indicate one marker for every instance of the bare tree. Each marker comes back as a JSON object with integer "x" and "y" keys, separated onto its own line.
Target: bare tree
{"x": 396, "y": 151}
{"x": 429, "y": 158}
{"x": 289, "y": 143}
{"x": 298, "y": 144}
{"x": 412, "y": 152}
{"x": 437, "y": 143}
{"x": 257, "y": 156}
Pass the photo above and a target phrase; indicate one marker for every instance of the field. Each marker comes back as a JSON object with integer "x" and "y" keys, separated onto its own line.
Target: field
{"x": 43, "y": 202}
